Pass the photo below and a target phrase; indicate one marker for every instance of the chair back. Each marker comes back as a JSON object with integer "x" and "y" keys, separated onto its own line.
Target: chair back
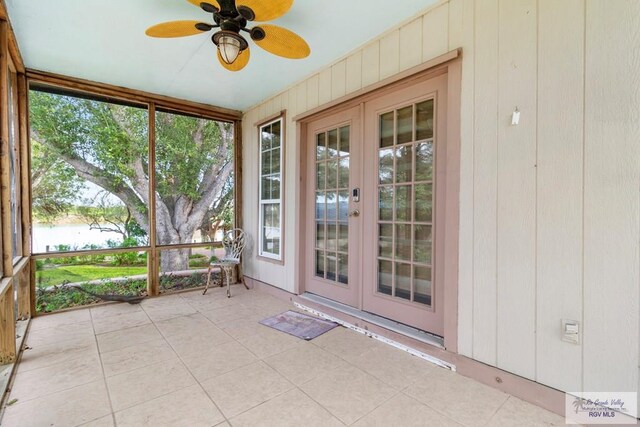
{"x": 233, "y": 243}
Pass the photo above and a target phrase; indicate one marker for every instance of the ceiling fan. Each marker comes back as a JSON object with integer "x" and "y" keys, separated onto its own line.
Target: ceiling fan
{"x": 232, "y": 17}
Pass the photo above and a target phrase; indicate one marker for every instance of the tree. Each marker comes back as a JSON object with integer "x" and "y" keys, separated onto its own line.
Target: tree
{"x": 54, "y": 184}
{"x": 106, "y": 144}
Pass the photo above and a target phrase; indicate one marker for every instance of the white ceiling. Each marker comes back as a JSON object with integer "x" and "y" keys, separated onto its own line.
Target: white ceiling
{"x": 104, "y": 41}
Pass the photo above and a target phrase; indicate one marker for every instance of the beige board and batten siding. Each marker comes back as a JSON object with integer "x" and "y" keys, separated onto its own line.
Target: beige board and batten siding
{"x": 549, "y": 209}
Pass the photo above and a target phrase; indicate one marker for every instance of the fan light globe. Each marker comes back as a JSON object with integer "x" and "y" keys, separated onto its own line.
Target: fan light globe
{"x": 229, "y": 48}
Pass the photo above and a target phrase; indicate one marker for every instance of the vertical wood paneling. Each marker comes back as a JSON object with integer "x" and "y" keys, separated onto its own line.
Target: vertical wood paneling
{"x": 485, "y": 182}
{"x": 338, "y": 79}
{"x": 435, "y": 29}
{"x": 462, "y": 35}
{"x": 517, "y": 61}
{"x": 371, "y": 63}
{"x": 411, "y": 44}
{"x": 390, "y": 54}
{"x": 324, "y": 86}
{"x": 611, "y": 205}
{"x": 302, "y": 97}
{"x": 292, "y": 108}
{"x": 559, "y": 221}
{"x": 354, "y": 72}
{"x": 312, "y": 94}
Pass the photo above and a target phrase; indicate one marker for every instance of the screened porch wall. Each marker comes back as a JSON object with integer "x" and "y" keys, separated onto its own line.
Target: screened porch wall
{"x": 549, "y": 209}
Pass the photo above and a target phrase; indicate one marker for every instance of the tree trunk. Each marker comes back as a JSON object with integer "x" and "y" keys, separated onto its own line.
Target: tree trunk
{"x": 174, "y": 260}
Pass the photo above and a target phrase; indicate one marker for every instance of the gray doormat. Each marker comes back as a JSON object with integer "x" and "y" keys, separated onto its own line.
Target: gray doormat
{"x": 299, "y": 325}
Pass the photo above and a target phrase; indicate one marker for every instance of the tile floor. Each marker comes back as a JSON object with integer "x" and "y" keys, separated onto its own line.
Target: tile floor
{"x": 194, "y": 360}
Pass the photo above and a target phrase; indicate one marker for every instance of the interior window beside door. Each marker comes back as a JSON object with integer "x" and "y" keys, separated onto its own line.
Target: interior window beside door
{"x": 270, "y": 190}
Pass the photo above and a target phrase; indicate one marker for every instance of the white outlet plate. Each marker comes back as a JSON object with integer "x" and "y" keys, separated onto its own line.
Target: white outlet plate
{"x": 570, "y": 331}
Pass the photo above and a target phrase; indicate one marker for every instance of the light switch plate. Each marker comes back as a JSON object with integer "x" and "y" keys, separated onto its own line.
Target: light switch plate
{"x": 570, "y": 331}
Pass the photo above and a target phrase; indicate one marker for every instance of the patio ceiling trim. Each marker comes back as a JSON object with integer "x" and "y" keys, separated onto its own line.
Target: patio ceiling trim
{"x": 107, "y": 90}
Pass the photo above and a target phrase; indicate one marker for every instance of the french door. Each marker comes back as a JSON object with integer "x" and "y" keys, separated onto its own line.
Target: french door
{"x": 403, "y": 194}
{"x": 333, "y": 224}
{"x": 375, "y": 203}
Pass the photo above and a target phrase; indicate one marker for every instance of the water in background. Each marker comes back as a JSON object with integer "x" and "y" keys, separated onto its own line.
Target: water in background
{"x": 74, "y": 235}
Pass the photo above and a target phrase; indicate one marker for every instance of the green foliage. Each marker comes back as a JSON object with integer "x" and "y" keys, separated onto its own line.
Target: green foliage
{"x": 50, "y": 275}
{"x": 59, "y": 298}
{"x": 198, "y": 261}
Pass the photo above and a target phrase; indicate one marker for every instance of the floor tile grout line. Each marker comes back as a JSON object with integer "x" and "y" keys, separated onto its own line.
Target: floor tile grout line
{"x": 434, "y": 408}
{"x": 498, "y": 409}
{"x": 397, "y": 392}
{"x": 193, "y": 376}
{"x": 104, "y": 377}
{"x": 320, "y": 404}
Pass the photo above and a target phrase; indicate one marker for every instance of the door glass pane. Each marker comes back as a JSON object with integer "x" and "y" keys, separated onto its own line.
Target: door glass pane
{"x": 424, "y": 202}
{"x": 403, "y": 242}
{"x": 403, "y": 281}
{"x": 321, "y": 146}
{"x": 385, "y": 203}
{"x": 385, "y": 240}
{"x": 406, "y": 201}
{"x": 343, "y": 268}
{"x": 422, "y": 244}
{"x": 403, "y": 203}
{"x": 343, "y": 237}
{"x": 332, "y": 205}
{"x": 422, "y": 285}
{"x": 266, "y": 162}
{"x": 321, "y": 175}
{"x": 343, "y": 205}
{"x": 385, "y": 168}
{"x": 320, "y": 204}
{"x": 404, "y": 167}
{"x": 405, "y": 124}
{"x": 424, "y": 161}
{"x": 332, "y": 143}
{"x": 344, "y": 140}
{"x": 320, "y": 235}
{"x": 386, "y": 130}
{"x": 424, "y": 120}
{"x": 266, "y": 188}
{"x": 332, "y": 244}
{"x": 385, "y": 277}
{"x": 331, "y": 260}
{"x": 343, "y": 173}
{"x": 320, "y": 264}
{"x": 332, "y": 174}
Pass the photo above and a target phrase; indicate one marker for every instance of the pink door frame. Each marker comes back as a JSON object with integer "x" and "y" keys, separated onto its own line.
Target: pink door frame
{"x": 449, "y": 63}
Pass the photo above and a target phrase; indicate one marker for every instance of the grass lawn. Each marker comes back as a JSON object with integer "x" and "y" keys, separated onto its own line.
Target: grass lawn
{"x": 84, "y": 273}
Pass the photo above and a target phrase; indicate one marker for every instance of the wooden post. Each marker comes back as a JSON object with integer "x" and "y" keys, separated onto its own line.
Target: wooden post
{"x": 237, "y": 182}
{"x": 25, "y": 287}
{"x": 7, "y": 323}
{"x": 5, "y": 161}
{"x": 153, "y": 255}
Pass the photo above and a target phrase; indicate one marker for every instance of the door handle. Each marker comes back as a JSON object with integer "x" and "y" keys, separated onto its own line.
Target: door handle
{"x": 355, "y": 213}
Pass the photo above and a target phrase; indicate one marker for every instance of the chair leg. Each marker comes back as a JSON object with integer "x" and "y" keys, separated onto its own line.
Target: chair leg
{"x": 227, "y": 273}
{"x": 208, "y": 280}
{"x": 223, "y": 273}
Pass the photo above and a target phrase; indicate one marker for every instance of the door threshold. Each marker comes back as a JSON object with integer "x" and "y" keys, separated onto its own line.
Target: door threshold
{"x": 383, "y": 322}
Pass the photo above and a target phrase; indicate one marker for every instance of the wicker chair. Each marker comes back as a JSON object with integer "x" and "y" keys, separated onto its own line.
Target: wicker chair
{"x": 233, "y": 243}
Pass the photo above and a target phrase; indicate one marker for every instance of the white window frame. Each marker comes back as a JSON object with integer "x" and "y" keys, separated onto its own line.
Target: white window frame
{"x": 262, "y": 202}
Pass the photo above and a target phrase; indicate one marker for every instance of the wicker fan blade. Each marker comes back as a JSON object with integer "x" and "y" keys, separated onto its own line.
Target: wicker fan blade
{"x": 282, "y": 42}
{"x": 266, "y": 10}
{"x": 238, "y": 64}
{"x": 211, "y": 2}
{"x": 174, "y": 29}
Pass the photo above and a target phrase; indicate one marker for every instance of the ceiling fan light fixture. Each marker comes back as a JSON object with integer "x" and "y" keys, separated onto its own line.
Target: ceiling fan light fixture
{"x": 230, "y": 44}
